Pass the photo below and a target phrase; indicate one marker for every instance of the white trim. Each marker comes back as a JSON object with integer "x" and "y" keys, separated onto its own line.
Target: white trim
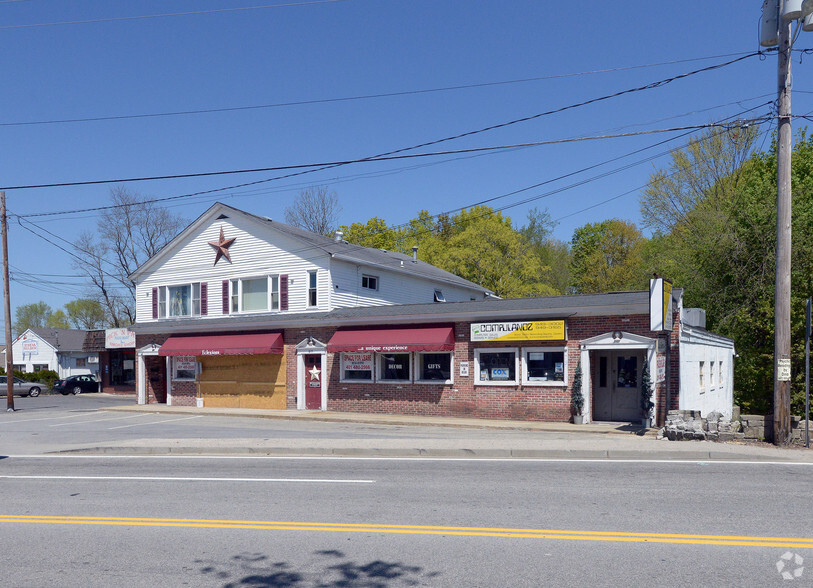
{"x": 141, "y": 380}
{"x": 416, "y": 365}
{"x": 479, "y": 382}
{"x": 527, "y": 382}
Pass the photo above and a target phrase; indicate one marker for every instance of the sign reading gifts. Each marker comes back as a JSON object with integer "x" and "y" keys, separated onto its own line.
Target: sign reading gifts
{"x": 519, "y": 331}
{"x": 358, "y": 361}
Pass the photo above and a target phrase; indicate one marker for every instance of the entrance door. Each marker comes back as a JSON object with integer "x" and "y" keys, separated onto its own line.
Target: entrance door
{"x": 616, "y": 395}
{"x": 313, "y": 381}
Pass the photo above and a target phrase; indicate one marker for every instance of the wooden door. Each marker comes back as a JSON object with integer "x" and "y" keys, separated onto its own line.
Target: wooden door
{"x": 313, "y": 382}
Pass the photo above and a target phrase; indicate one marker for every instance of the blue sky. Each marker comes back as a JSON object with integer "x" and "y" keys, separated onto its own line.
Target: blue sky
{"x": 330, "y": 57}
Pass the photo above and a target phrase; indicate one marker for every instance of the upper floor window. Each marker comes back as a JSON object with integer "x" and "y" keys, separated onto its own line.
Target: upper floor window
{"x": 369, "y": 282}
{"x": 181, "y": 300}
{"x": 312, "y": 288}
{"x": 255, "y": 294}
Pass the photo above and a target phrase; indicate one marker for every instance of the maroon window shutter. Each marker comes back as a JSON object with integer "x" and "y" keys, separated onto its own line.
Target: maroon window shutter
{"x": 283, "y": 292}
{"x": 225, "y": 297}
{"x": 204, "y": 298}
{"x": 155, "y": 303}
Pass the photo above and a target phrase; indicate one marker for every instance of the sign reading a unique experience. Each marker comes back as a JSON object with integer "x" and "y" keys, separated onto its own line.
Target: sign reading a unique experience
{"x": 519, "y": 331}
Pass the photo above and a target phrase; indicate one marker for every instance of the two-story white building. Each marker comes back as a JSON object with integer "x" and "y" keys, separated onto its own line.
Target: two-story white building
{"x": 243, "y": 311}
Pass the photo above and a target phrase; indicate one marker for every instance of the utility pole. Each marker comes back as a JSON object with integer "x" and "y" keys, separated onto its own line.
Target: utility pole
{"x": 781, "y": 390}
{"x": 7, "y": 305}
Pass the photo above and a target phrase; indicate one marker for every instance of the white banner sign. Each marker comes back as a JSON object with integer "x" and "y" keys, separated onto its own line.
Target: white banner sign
{"x": 119, "y": 339}
{"x": 31, "y": 346}
{"x": 358, "y": 361}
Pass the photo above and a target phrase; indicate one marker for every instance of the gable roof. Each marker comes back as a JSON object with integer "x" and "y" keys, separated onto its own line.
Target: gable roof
{"x": 61, "y": 339}
{"x": 342, "y": 250}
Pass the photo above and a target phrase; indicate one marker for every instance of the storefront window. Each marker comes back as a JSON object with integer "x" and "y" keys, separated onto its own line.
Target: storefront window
{"x": 357, "y": 366}
{"x": 122, "y": 367}
{"x": 495, "y": 366}
{"x": 544, "y": 365}
{"x": 394, "y": 366}
{"x": 184, "y": 367}
{"x": 435, "y": 367}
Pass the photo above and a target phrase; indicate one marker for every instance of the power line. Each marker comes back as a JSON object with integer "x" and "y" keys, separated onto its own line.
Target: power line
{"x": 350, "y": 98}
{"x": 149, "y": 16}
{"x": 388, "y": 155}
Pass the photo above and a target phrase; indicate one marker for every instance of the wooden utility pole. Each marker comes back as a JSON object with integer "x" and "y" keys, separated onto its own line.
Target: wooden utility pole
{"x": 781, "y": 390}
{"x": 7, "y": 305}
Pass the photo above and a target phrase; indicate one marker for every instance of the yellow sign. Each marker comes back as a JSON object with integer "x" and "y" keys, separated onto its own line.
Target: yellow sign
{"x": 667, "y": 305}
{"x": 519, "y": 331}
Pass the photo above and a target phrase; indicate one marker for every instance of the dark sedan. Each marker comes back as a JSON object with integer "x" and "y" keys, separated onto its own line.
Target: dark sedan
{"x": 21, "y": 387}
{"x": 76, "y": 385}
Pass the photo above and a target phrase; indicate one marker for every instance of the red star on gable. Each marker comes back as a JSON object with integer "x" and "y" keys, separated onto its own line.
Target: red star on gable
{"x": 222, "y": 247}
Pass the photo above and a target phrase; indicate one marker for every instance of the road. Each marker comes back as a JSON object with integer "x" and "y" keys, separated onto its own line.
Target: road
{"x": 81, "y": 520}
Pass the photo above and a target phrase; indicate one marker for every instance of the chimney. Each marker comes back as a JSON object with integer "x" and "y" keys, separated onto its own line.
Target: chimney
{"x": 338, "y": 236}
{"x": 414, "y": 254}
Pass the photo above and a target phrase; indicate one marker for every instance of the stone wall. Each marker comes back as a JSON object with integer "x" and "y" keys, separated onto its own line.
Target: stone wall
{"x": 686, "y": 425}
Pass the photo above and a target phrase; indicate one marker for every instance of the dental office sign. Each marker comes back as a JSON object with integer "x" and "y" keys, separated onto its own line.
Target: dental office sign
{"x": 519, "y": 331}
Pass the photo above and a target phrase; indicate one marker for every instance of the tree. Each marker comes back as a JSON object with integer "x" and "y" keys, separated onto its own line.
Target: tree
{"x": 128, "y": 234}
{"x": 85, "y": 313}
{"x": 607, "y": 256}
{"x": 554, "y": 254}
{"x": 374, "y": 233}
{"x": 316, "y": 209}
{"x": 58, "y": 320}
{"x": 34, "y": 315}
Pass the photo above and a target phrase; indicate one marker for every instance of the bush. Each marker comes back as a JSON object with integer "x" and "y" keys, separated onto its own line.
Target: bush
{"x": 576, "y": 397}
{"x": 45, "y": 377}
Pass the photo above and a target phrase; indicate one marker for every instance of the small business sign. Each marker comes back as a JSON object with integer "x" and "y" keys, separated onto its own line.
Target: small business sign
{"x": 783, "y": 369}
{"x": 660, "y": 305}
{"x": 464, "y": 369}
{"x": 358, "y": 361}
{"x": 31, "y": 346}
{"x": 93, "y": 359}
{"x": 519, "y": 331}
{"x": 119, "y": 339}
{"x": 660, "y": 374}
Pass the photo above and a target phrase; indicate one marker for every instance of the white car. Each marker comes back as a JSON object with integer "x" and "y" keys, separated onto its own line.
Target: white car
{"x": 21, "y": 387}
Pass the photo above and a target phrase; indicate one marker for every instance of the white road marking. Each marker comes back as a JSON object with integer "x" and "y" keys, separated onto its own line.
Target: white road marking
{"x": 156, "y": 422}
{"x": 12, "y": 421}
{"x": 606, "y": 460}
{"x": 184, "y": 479}
{"x": 98, "y": 420}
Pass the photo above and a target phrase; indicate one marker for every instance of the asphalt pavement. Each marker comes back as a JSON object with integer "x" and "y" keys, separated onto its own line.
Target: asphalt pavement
{"x": 422, "y": 436}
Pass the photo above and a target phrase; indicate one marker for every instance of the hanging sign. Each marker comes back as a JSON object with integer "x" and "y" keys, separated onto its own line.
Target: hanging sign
{"x": 119, "y": 338}
{"x": 519, "y": 331}
{"x": 660, "y": 305}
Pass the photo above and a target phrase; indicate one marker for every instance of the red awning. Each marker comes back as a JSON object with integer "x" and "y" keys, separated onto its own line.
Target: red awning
{"x": 247, "y": 344}
{"x": 393, "y": 340}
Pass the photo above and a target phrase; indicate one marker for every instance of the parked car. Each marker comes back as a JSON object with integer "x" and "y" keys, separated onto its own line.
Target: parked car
{"x": 21, "y": 387}
{"x": 76, "y": 385}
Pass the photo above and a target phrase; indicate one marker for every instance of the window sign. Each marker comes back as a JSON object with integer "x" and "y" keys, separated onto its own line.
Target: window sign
{"x": 464, "y": 369}
{"x": 394, "y": 366}
{"x": 185, "y": 367}
{"x": 435, "y": 367}
{"x": 357, "y": 366}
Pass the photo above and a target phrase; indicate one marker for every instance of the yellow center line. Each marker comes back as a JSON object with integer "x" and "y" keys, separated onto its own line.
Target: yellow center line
{"x": 561, "y": 534}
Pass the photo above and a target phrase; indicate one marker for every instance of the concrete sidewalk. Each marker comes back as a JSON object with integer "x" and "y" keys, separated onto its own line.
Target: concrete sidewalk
{"x": 444, "y": 437}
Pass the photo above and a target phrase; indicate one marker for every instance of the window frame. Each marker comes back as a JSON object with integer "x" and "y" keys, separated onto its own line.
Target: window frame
{"x": 478, "y": 351}
{"x": 369, "y": 277}
{"x": 356, "y": 380}
{"x": 379, "y": 368}
{"x": 313, "y": 290}
{"x": 417, "y": 363}
{"x": 236, "y": 294}
{"x": 701, "y": 373}
{"x": 175, "y": 377}
{"x": 439, "y": 297}
{"x": 165, "y": 307}
{"x": 557, "y": 349}
{"x": 83, "y": 360}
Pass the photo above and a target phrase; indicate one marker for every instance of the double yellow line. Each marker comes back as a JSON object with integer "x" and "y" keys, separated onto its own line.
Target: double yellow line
{"x": 572, "y": 535}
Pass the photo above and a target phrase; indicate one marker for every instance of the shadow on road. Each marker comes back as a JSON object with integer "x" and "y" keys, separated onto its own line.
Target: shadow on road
{"x": 329, "y": 568}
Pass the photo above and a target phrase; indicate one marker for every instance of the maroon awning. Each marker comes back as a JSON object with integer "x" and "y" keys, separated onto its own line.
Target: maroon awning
{"x": 392, "y": 340}
{"x": 247, "y": 344}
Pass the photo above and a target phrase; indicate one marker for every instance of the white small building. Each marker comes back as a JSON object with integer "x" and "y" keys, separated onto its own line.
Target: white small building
{"x": 59, "y": 350}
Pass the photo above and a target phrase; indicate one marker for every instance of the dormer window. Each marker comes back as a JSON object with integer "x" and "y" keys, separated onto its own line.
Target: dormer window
{"x": 439, "y": 296}
{"x": 369, "y": 282}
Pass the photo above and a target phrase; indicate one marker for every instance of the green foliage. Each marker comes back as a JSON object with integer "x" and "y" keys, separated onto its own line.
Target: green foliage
{"x": 477, "y": 244}
{"x": 646, "y": 392}
{"x": 58, "y": 320}
{"x": 45, "y": 377}
{"x": 85, "y": 313}
{"x": 607, "y": 256}
{"x": 34, "y": 315}
{"x": 722, "y": 249}
{"x": 576, "y": 396}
